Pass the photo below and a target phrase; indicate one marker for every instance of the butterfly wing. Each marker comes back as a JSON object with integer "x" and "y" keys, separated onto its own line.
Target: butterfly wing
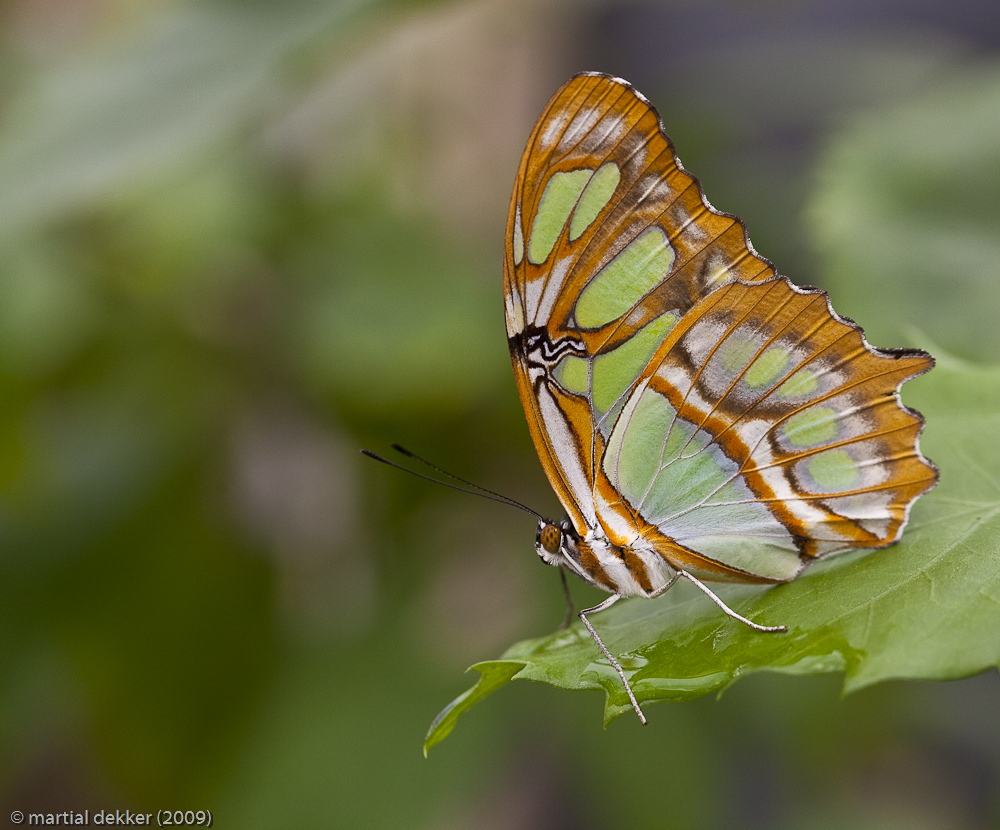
{"x": 682, "y": 398}
{"x": 609, "y": 243}
{"x": 763, "y": 433}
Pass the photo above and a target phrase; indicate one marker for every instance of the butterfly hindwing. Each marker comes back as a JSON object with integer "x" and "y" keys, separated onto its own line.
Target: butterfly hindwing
{"x": 766, "y": 432}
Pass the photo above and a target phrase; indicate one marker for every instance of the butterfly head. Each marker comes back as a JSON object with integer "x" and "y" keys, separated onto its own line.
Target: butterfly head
{"x": 549, "y": 540}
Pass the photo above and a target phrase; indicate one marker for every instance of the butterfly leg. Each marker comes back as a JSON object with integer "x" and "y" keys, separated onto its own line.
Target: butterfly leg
{"x": 570, "y": 605}
{"x": 659, "y": 592}
{"x": 729, "y": 611}
{"x": 621, "y": 672}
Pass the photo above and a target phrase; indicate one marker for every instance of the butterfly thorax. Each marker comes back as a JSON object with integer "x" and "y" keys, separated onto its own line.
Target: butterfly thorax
{"x": 636, "y": 569}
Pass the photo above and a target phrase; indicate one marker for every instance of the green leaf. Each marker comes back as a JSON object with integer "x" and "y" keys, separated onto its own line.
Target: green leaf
{"x": 494, "y": 674}
{"x": 927, "y": 608}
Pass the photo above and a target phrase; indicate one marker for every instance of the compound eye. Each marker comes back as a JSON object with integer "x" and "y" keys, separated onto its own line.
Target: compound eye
{"x": 550, "y": 538}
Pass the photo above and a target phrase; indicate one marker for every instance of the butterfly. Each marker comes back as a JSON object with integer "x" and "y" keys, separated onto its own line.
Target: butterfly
{"x": 698, "y": 416}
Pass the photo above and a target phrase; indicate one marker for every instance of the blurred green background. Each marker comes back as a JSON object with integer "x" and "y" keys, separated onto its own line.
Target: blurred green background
{"x": 241, "y": 240}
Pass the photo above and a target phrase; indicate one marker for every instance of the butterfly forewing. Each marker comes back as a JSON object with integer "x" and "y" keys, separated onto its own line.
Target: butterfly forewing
{"x": 608, "y": 238}
{"x": 680, "y": 395}
{"x": 598, "y": 176}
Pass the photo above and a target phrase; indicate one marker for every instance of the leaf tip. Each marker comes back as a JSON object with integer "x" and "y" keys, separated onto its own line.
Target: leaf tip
{"x": 493, "y": 675}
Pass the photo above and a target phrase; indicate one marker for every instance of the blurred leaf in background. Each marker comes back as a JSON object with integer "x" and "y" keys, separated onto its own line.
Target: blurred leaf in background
{"x": 906, "y": 215}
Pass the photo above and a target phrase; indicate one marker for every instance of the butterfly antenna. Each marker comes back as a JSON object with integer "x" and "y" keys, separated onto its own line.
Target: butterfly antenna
{"x": 436, "y": 468}
{"x": 476, "y": 491}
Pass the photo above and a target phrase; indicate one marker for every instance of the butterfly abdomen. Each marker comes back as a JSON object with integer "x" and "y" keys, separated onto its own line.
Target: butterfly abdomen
{"x": 638, "y": 568}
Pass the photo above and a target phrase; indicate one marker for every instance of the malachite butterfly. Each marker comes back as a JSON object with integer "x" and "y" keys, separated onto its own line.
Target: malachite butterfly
{"x": 698, "y": 415}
